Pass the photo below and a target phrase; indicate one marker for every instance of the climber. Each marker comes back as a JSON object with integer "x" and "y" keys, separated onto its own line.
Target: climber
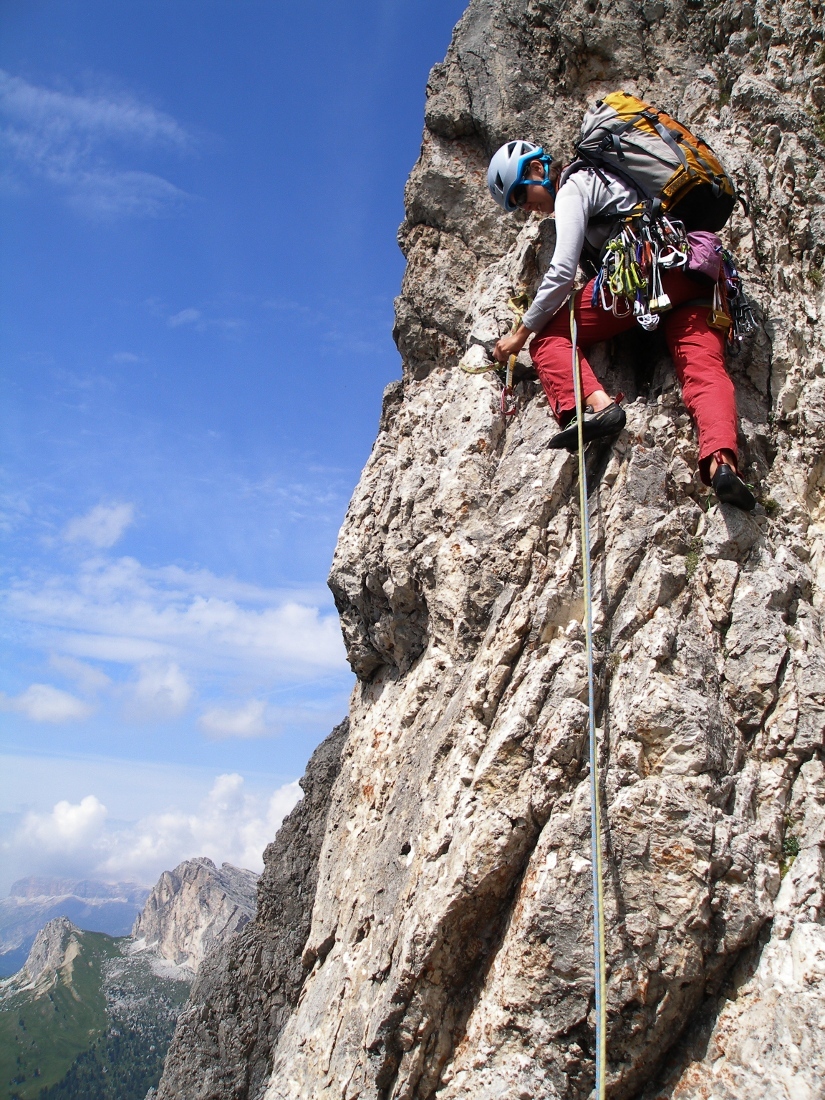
{"x": 522, "y": 176}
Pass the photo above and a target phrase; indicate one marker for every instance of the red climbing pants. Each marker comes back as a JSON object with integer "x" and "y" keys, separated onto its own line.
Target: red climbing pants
{"x": 698, "y": 353}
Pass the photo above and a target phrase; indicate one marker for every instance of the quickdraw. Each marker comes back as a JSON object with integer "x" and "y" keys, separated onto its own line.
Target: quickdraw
{"x": 733, "y": 311}
{"x": 519, "y": 304}
{"x": 632, "y": 264}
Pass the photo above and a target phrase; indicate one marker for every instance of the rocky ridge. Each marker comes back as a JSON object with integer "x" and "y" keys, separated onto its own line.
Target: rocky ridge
{"x": 245, "y": 991}
{"x": 86, "y": 1017}
{"x": 192, "y": 908}
{"x": 448, "y": 952}
{"x": 87, "y": 1008}
{"x": 55, "y": 945}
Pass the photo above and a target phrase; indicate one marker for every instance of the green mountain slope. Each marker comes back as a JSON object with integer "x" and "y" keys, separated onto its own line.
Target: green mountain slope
{"x": 97, "y": 1026}
{"x": 121, "y": 1065}
{"x": 44, "y": 1027}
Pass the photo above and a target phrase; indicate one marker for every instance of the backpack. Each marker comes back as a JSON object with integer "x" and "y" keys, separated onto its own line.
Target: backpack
{"x": 677, "y": 173}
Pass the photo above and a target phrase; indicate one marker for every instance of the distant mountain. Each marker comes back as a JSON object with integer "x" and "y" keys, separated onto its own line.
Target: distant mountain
{"x": 40, "y": 886}
{"x": 193, "y": 907}
{"x": 90, "y": 1016}
{"x": 34, "y": 901}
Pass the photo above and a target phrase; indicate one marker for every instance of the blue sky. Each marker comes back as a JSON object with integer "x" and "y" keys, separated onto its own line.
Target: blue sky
{"x": 200, "y": 200}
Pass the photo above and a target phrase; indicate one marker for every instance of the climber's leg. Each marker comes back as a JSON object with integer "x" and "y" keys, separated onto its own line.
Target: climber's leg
{"x": 698, "y": 353}
{"x": 552, "y": 354}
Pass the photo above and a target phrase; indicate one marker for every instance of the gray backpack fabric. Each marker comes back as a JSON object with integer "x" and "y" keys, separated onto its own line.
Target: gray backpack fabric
{"x": 676, "y": 172}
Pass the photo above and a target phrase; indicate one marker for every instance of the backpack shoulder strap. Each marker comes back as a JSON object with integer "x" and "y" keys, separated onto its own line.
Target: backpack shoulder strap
{"x": 579, "y": 165}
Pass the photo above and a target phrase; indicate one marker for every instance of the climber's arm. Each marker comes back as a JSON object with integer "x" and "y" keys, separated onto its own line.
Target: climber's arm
{"x": 572, "y": 212}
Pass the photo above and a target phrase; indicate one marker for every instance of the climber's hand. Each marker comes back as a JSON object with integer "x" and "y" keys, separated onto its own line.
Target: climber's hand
{"x": 511, "y": 345}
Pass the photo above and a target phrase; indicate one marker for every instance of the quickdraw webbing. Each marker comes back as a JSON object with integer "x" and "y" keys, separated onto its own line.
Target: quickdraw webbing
{"x": 595, "y": 804}
{"x": 518, "y": 305}
{"x": 485, "y": 368}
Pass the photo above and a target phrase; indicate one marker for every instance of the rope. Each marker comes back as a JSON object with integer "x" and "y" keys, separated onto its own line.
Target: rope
{"x": 485, "y": 368}
{"x": 518, "y": 305}
{"x": 595, "y": 806}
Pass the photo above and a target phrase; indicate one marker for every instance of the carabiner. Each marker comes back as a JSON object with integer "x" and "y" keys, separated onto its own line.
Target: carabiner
{"x": 616, "y": 280}
{"x": 671, "y": 256}
{"x": 623, "y": 313}
{"x": 508, "y": 401}
{"x": 603, "y": 298}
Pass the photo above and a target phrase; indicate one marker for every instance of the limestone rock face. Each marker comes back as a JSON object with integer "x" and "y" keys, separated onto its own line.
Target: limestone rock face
{"x": 247, "y": 987}
{"x": 763, "y": 1036}
{"x": 449, "y": 950}
{"x": 194, "y": 906}
{"x": 54, "y": 946}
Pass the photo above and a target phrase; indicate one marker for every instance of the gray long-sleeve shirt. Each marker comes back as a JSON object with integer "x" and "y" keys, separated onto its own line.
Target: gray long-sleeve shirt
{"x": 581, "y": 197}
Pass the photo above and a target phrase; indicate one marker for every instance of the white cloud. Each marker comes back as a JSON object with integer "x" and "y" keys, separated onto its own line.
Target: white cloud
{"x": 67, "y": 827}
{"x": 120, "y": 611}
{"x": 67, "y": 140}
{"x": 248, "y": 720}
{"x": 198, "y": 319}
{"x": 122, "y": 358}
{"x": 162, "y": 691}
{"x": 231, "y": 825}
{"x": 185, "y": 317}
{"x": 120, "y": 116}
{"x": 102, "y": 526}
{"x": 103, "y": 647}
{"x": 90, "y": 680}
{"x": 44, "y": 703}
{"x": 112, "y": 194}
{"x": 130, "y": 790}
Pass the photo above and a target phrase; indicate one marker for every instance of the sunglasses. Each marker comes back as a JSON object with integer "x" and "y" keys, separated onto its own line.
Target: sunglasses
{"x": 518, "y": 196}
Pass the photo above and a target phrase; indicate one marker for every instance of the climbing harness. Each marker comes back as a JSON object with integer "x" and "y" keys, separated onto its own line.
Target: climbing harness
{"x": 595, "y": 804}
{"x": 518, "y": 305}
{"x": 630, "y": 276}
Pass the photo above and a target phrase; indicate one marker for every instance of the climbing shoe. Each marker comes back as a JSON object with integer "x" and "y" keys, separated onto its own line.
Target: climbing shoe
{"x": 608, "y": 421}
{"x": 731, "y": 489}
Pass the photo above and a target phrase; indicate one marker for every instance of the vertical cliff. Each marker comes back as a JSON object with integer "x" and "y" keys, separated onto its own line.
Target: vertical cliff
{"x": 246, "y": 989}
{"x": 448, "y": 952}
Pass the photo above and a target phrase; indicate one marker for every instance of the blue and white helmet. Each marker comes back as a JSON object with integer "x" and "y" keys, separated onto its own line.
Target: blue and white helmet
{"x": 507, "y": 169}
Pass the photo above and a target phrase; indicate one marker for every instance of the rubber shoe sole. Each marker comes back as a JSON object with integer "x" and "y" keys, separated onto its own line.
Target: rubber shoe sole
{"x": 609, "y": 421}
{"x": 731, "y": 489}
